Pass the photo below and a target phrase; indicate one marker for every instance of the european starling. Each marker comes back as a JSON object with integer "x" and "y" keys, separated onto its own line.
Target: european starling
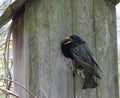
{"x": 74, "y": 48}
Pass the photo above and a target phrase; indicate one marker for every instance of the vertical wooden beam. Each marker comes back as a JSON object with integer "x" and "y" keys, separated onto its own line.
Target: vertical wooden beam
{"x": 106, "y": 48}
{"x": 83, "y": 25}
{"x": 19, "y": 53}
{"x": 47, "y": 22}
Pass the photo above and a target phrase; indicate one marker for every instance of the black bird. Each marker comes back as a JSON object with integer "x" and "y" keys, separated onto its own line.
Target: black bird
{"x": 74, "y": 48}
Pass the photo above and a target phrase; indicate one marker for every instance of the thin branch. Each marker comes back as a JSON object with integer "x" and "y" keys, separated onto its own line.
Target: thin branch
{"x": 3, "y": 3}
{"x": 2, "y": 48}
{"x": 8, "y": 92}
{"x": 3, "y": 30}
{"x": 6, "y": 58}
{"x": 19, "y": 85}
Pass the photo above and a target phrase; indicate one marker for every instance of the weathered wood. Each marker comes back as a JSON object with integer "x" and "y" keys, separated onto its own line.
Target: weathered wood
{"x": 19, "y": 54}
{"x": 47, "y": 23}
{"x": 106, "y": 48}
{"x": 96, "y": 25}
{"x": 11, "y": 11}
{"x": 14, "y": 7}
{"x": 83, "y": 25}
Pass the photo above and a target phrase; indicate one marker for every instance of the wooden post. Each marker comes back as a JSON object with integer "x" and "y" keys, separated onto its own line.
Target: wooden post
{"x": 47, "y": 22}
{"x": 106, "y": 48}
{"x": 19, "y": 53}
{"x": 83, "y": 25}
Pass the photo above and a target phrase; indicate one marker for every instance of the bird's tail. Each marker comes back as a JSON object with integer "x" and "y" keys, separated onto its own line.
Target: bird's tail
{"x": 89, "y": 81}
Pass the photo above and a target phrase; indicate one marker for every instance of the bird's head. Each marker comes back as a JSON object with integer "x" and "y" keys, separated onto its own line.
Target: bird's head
{"x": 65, "y": 46}
{"x": 76, "y": 38}
{"x": 71, "y": 39}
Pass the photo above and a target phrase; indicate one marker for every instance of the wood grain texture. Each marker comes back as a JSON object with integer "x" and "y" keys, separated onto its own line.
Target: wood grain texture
{"x": 106, "y": 48}
{"x": 46, "y": 25}
{"x": 83, "y": 25}
{"x": 19, "y": 54}
{"x": 11, "y": 11}
{"x": 47, "y": 22}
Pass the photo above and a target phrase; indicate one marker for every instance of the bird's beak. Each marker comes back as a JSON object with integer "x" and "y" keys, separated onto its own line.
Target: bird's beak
{"x": 69, "y": 40}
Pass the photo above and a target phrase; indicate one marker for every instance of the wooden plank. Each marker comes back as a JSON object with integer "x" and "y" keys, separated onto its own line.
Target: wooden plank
{"x": 84, "y": 27}
{"x": 19, "y": 54}
{"x": 84, "y": 20}
{"x": 11, "y": 11}
{"x": 106, "y": 49}
{"x": 47, "y": 23}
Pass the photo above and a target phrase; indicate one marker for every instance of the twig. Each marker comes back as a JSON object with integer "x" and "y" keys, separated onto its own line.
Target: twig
{"x": 2, "y": 48}
{"x": 19, "y": 85}
{"x": 8, "y": 92}
{"x": 3, "y": 3}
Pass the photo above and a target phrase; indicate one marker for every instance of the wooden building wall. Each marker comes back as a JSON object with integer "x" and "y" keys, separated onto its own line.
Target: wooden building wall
{"x": 47, "y": 22}
{"x": 19, "y": 53}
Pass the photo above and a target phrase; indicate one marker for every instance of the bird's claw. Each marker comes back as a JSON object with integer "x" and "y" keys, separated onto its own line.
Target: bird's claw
{"x": 77, "y": 71}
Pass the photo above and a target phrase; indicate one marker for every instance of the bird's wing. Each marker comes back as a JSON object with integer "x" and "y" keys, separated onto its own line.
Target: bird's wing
{"x": 80, "y": 54}
{"x": 92, "y": 57}
{"x": 83, "y": 55}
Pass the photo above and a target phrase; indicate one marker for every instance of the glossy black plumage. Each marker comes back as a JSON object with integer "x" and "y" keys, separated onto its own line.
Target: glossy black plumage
{"x": 76, "y": 49}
